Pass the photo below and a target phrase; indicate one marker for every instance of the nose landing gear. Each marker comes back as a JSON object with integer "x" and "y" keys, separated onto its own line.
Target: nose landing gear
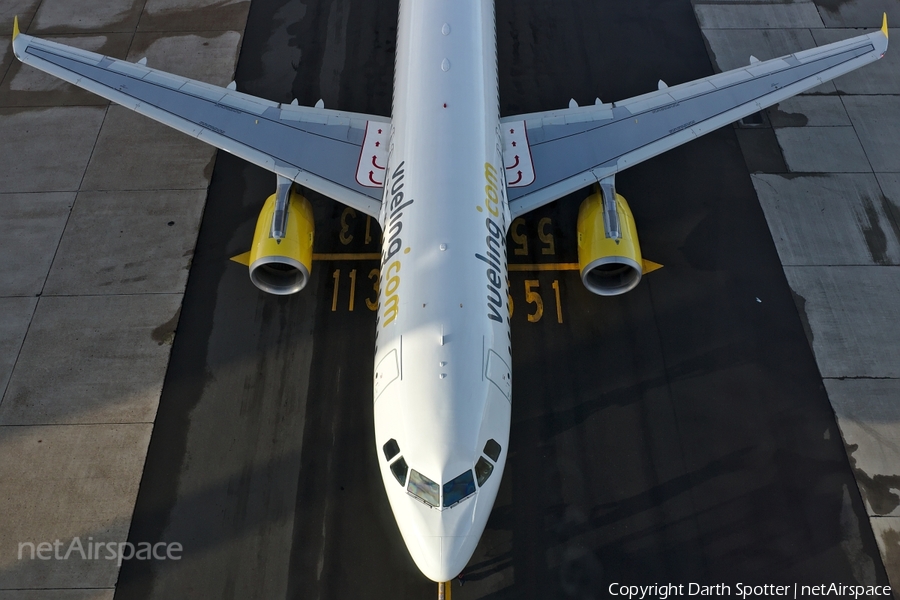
{"x": 444, "y": 591}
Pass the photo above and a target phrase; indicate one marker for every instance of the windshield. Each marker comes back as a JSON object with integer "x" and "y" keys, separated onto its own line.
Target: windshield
{"x": 483, "y": 470}
{"x": 459, "y": 488}
{"x": 391, "y": 449}
{"x": 492, "y": 449}
{"x": 423, "y": 488}
{"x": 399, "y": 469}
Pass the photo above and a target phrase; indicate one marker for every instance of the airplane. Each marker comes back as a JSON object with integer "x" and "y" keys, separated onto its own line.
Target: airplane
{"x": 442, "y": 380}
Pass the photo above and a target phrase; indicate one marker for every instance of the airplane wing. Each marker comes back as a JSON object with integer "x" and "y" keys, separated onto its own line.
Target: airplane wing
{"x": 554, "y": 153}
{"x": 315, "y": 147}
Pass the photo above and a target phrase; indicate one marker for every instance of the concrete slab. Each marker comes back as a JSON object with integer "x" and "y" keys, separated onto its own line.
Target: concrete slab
{"x": 858, "y": 13}
{"x": 73, "y": 594}
{"x": 98, "y": 359}
{"x": 876, "y": 120}
{"x": 809, "y": 111}
{"x": 732, "y": 48}
{"x": 33, "y": 165}
{"x": 24, "y": 9}
{"x": 15, "y": 317}
{"x": 179, "y": 161}
{"x": 128, "y": 243}
{"x": 853, "y": 317}
{"x": 194, "y": 15}
{"x": 881, "y": 77}
{"x": 758, "y": 16}
{"x": 210, "y": 58}
{"x": 27, "y": 86}
{"x": 65, "y": 16}
{"x": 67, "y": 482}
{"x": 93, "y": 359}
{"x": 30, "y": 228}
{"x": 868, "y": 413}
{"x": 829, "y": 219}
{"x": 887, "y": 534}
{"x": 802, "y": 149}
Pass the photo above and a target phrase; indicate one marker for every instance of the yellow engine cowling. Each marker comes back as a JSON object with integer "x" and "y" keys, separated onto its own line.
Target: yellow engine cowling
{"x": 609, "y": 265}
{"x": 281, "y": 265}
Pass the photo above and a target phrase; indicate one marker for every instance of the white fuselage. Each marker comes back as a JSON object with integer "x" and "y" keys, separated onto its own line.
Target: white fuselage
{"x": 442, "y": 377}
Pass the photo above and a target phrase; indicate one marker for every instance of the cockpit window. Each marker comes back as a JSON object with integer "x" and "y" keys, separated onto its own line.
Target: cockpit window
{"x": 483, "y": 470}
{"x": 399, "y": 469}
{"x": 391, "y": 449}
{"x": 492, "y": 449}
{"x": 423, "y": 488}
{"x": 459, "y": 488}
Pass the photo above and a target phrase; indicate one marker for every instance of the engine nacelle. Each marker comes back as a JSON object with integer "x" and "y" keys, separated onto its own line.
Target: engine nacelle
{"x": 609, "y": 255}
{"x": 281, "y": 256}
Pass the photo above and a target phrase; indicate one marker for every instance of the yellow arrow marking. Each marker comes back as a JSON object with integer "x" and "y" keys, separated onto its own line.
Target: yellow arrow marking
{"x": 650, "y": 266}
{"x": 243, "y": 259}
{"x": 544, "y": 267}
{"x": 348, "y": 256}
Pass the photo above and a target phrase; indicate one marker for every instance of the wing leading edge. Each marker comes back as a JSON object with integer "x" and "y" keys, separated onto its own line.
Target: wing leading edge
{"x": 315, "y": 147}
{"x": 573, "y": 148}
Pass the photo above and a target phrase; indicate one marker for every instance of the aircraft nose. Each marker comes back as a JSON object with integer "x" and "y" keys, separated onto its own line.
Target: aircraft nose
{"x": 455, "y": 554}
{"x": 446, "y": 557}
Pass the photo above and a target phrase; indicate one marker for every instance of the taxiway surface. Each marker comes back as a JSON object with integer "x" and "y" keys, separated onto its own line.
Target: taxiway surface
{"x": 679, "y": 433}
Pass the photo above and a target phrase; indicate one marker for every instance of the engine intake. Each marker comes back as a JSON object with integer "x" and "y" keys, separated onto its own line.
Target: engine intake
{"x": 281, "y": 257}
{"x": 609, "y": 255}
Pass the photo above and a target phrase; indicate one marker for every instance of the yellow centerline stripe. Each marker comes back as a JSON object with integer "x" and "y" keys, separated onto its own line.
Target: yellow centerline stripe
{"x": 545, "y": 267}
{"x": 347, "y": 256}
{"x": 512, "y": 267}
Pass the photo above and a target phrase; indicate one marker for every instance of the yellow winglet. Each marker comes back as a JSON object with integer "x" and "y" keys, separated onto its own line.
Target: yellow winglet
{"x": 15, "y": 27}
{"x": 884, "y": 28}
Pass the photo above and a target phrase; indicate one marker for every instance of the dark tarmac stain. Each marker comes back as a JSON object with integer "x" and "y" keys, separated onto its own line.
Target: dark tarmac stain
{"x": 891, "y": 553}
{"x": 876, "y": 240}
{"x": 779, "y": 118}
{"x": 800, "y": 301}
{"x": 832, "y": 6}
{"x": 792, "y": 176}
{"x": 879, "y": 490}
{"x": 892, "y": 212}
{"x": 861, "y": 564}
{"x": 165, "y": 333}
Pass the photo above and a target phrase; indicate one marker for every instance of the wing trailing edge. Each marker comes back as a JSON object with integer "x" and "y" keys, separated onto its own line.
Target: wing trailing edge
{"x": 576, "y": 147}
{"x": 315, "y": 147}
